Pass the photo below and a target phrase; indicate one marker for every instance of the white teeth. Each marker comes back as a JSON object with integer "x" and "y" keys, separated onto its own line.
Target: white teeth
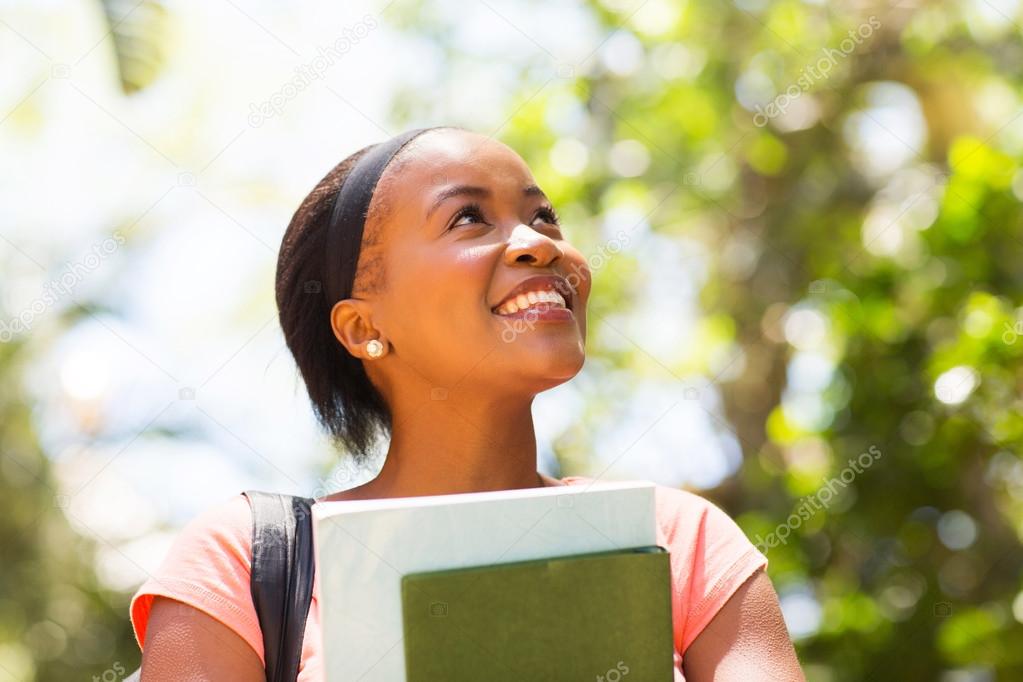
{"x": 529, "y": 299}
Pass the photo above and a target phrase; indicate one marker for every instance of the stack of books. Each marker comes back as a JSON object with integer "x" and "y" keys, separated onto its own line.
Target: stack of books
{"x": 556, "y": 583}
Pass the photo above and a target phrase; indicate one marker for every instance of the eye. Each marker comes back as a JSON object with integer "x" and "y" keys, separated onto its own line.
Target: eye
{"x": 549, "y": 215}
{"x": 467, "y": 211}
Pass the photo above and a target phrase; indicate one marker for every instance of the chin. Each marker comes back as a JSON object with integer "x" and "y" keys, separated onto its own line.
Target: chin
{"x": 567, "y": 368}
{"x": 543, "y": 369}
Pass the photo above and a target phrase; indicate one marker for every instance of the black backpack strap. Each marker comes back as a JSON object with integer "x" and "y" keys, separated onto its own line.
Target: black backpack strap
{"x": 282, "y": 577}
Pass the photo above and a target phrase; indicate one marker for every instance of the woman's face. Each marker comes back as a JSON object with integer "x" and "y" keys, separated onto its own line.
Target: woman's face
{"x": 465, "y": 231}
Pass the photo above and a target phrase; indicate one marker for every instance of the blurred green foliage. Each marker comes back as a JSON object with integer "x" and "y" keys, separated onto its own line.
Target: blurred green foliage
{"x": 901, "y": 285}
{"x": 57, "y": 621}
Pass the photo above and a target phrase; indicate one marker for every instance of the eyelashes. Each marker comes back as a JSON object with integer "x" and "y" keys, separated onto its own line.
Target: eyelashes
{"x": 473, "y": 209}
{"x": 548, "y": 214}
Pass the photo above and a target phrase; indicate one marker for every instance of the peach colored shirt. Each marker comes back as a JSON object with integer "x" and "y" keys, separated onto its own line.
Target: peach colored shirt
{"x": 208, "y": 568}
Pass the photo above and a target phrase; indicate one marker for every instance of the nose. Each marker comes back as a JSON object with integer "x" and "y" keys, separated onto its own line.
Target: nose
{"x": 526, "y": 245}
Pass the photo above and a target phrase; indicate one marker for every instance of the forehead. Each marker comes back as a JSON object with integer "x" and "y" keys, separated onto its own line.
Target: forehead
{"x": 445, "y": 157}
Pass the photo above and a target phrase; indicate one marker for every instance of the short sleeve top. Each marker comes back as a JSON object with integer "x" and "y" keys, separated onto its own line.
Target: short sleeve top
{"x": 209, "y": 562}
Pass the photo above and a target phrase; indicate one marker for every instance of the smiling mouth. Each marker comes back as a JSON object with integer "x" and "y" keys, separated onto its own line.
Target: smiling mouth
{"x": 542, "y": 295}
{"x": 539, "y": 300}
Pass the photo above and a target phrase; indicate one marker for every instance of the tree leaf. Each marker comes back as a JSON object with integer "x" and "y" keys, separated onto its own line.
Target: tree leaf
{"x": 138, "y": 29}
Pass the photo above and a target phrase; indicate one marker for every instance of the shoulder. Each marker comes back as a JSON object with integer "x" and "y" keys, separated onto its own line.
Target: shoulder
{"x": 207, "y": 567}
{"x": 217, "y": 538}
{"x": 682, "y": 515}
{"x": 229, "y": 520}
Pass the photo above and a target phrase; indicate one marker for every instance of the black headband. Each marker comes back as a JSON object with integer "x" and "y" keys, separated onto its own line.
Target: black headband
{"x": 348, "y": 217}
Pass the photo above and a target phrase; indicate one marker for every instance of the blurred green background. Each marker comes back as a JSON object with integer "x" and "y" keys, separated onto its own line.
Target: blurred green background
{"x": 803, "y": 220}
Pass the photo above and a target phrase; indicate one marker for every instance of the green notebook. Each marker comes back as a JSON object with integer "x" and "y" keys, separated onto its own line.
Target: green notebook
{"x": 603, "y": 616}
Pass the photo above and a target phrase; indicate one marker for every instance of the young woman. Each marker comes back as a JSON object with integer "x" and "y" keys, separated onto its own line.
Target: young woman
{"x": 430, "y": 297}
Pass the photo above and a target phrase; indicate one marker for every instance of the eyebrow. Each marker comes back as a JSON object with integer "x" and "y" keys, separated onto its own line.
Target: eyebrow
{"x": 476, "y": 191}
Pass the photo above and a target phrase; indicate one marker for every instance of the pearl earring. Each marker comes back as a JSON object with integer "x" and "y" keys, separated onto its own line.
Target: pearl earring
{"x": 375, "y": 348}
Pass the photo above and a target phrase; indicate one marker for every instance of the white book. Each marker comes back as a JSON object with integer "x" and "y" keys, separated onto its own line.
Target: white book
{"x": 364, "y": 547}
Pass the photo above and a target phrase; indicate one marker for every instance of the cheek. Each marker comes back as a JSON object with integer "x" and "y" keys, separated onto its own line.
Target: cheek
{"x": 474, "y": 261}
{"x": 438, "y": 287}
{"x": 578, "y": 273}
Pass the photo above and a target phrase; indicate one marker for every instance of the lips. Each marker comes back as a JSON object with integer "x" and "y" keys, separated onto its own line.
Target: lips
{"x": 541, "y": 287}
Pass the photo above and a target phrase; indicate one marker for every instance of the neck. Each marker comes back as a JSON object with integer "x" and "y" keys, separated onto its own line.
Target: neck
{"x": 464, "y": 443}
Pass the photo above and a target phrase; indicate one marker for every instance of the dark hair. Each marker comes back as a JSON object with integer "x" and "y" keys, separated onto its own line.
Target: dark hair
{"x": 346, "y": 403}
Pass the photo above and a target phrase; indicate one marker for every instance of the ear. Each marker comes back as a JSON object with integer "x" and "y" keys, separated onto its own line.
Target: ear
{"x": 350, "y": 320}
